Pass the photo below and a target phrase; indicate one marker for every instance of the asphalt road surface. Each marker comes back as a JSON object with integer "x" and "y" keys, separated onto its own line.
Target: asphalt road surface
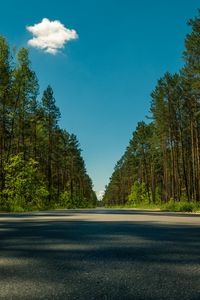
{"x": 100, "y": 254}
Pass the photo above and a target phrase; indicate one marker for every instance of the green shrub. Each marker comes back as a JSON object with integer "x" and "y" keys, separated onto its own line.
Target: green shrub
{"x": 138, "y": 194}
{"x": 65, "y": 200}
{"x": 171, "y": 205}
{"x": 24, "y": 185}
{"x": 182, "y": 206}
{"x": 186, "y": 206}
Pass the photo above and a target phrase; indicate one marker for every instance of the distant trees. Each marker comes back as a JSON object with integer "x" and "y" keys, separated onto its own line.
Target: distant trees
{"x": 40, "y": 164}
{"x": 162, "y": 161}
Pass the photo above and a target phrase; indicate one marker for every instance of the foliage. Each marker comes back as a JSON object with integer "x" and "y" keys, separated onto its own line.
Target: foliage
{"x": 24, "y": 185}
{"x": 64, "y": 201}
{"x": 40, "y": 163}
{"x": 138, "y": 193}
{"x": 163, "y": 156}
{"x": 181, "y": 206}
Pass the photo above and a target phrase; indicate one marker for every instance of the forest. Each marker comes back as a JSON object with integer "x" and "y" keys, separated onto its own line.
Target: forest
{"x": 161, "y": 165}
{"x": 40, "y": 163}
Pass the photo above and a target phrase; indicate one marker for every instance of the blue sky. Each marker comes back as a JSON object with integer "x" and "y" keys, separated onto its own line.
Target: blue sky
{"x": 103, "y": 80}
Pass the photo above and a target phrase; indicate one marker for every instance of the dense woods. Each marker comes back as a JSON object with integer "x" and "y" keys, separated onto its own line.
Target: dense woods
{"x": 40, "y": 164}
{"x": 162, "y": 161}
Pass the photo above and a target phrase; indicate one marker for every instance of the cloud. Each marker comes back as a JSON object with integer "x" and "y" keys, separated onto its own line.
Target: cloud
{"x": 50, "y": 36}
{"x": 100, "y": 195}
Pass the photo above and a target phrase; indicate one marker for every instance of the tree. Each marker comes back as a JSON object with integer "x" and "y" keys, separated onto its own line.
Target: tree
{"x": 191, "y": 76}
{"x": 51, "y": 114}
{"x": 35, "y": 153}
{"x": 5, "y": 104}
{"x": 164, "y": 155}
{"x": 24, "y": 185}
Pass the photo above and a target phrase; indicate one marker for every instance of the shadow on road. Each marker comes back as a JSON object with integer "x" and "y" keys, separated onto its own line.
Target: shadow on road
{"x": 71, "y": 259}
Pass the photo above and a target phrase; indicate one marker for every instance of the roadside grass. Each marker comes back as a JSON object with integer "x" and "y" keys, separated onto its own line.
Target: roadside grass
{"x": 172, "y": 205}
{"x": 181, "y": 206}
{"x": 30, "y": 208}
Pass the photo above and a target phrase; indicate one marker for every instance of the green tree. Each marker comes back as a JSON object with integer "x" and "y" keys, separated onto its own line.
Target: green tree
{"x": 5, "y": 104}
{"x": 24, "y": 186}
{"x": 139, "y": 194}
{"x": 52, "y": 115}
{"x": 32, "y": 144}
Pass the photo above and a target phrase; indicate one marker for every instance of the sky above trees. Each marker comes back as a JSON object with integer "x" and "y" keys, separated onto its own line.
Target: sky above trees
{"x": 103, "y": 63}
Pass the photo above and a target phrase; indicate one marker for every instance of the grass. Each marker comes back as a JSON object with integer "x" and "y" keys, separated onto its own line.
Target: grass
{"x": 172, "y": 205}
{"x": 181, "y": 206}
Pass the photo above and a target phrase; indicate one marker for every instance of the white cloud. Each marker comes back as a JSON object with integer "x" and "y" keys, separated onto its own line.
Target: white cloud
{"x": 50, "y": 36}
{"x": 100, "y": 195}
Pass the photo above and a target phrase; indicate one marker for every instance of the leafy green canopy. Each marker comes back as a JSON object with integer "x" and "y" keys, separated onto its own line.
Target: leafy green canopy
{"x": 40, "y": 163}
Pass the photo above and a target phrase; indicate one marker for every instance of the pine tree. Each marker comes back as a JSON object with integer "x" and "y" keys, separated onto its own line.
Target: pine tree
{"x": 51, "y": 115}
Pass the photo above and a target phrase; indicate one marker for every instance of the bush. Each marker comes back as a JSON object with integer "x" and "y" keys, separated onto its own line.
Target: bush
{"x": 24, "y": 185}
{"x": 138, "y": 194}
{"x": 65, "y": 200}
{"x": 186, "y": 206}
{"x": 171, "y": 205}
{"x": 182, "y": 206}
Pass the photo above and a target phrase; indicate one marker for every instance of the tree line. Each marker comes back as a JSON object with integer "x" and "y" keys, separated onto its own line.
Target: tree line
{"x": 162, "y": 161}
{"x": 40, "y": 163}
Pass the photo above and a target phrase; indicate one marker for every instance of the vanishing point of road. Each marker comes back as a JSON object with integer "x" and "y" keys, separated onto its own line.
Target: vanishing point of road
{"x": 100, "y": 254}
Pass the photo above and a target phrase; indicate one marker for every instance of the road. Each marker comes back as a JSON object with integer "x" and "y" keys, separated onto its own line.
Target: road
{"x": 100, "y": 254}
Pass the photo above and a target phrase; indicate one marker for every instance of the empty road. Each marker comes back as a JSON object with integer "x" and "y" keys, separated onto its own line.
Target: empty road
{"x": 100, "y": 254}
